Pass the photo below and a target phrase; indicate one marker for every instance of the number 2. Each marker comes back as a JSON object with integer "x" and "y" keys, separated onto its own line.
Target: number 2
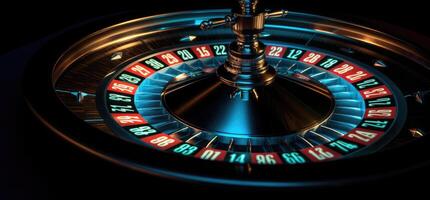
{"x": 185, "y": 54}
{"x": 220, "y": 50}
{"x": 275, "y": 51}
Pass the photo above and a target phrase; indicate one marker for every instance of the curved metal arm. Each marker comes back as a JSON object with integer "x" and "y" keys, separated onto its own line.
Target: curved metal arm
{"x": 274, "y": 14}
{"x": 212, "y": 23}
{"x": 229, "y": 19}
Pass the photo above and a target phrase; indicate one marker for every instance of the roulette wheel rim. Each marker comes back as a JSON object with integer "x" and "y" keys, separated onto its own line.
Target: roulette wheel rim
{"x": 109, "y": 150}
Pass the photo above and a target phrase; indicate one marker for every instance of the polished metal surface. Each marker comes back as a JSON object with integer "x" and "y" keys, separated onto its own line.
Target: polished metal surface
{"x": 246, "y": 67}
{"x": 288, "y": 105}
{"x": 79, "y": 59}
{"x": 245, "y": 96}
{"x": 157, "y": 28}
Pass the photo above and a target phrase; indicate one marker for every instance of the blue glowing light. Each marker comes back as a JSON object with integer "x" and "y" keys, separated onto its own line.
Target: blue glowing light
{"x": 239, "y": 118}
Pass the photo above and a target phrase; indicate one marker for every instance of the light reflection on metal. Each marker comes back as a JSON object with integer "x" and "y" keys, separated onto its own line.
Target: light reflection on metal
{"x": 193, "y": 136}
{"x": 324, "y": 31}
{"x": 79, "y": 95}
{"x": 419, "y": 96}
{"x": 188, "y": 38}
{"x": 230, "y": 145}
{"x": 116, "y": 56}
{"x": 379, "y": 63}
{"x": 264, "y": 34}
{"x": 238, "y": 118}
{"x": 305, "y": 140}
{"x": 181, "y": 77}
{"x": 211, "y": 141}
{"x": 417, "y": 133}
{"x": 255, "y": 93}
{"x": 98, "y": 120}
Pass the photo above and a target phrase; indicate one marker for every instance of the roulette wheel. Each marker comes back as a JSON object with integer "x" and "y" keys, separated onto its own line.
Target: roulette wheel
{"x": 237, "y": 97}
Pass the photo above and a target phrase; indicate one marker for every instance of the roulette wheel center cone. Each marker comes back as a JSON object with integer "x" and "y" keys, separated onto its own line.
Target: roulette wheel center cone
{"x": 245, "y": 97}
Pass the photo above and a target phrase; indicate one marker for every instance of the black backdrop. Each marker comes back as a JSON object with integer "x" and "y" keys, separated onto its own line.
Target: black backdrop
{"x": 36, "y": 164}
{"x": 23, "y": 21}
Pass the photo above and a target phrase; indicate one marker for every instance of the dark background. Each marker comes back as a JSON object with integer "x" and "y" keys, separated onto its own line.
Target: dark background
{"x": 24, "y": 21}
{"x": 36, "y": 164}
